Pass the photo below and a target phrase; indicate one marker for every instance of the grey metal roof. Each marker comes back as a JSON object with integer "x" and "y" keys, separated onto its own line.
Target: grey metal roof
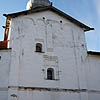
{"x": 42, "y": 1}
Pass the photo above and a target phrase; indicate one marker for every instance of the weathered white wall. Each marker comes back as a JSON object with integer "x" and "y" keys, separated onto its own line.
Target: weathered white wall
{"x": 93, "y": 71}
{"x": 64, "y": 49}
{"x": 93, "y": 76}
{"x": 45, "y": 95}
{"x": 4, "y": 73}
{"x": 58, "y": 39}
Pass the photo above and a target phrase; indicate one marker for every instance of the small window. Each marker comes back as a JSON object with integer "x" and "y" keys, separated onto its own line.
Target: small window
{"x": 38, "y": 47}
{"x": 50, "y": 73}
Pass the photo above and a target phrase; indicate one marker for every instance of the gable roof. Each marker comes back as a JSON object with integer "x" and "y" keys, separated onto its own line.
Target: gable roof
{"x": 93, "y": 53}
{"x": 59, "y": 12}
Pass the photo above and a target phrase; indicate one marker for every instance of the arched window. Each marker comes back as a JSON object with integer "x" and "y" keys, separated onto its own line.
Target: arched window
{"x": 38, "y": 47}
{"x": 50, "y": 73}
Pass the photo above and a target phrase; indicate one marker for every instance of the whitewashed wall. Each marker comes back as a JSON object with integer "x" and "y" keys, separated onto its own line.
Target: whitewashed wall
{"x": 64, "y": 49}
{"x": 93, "y": 76}
{"x": 46, "y": 95}
{"x": 93, "y": 72}
{"x": 4, "y": 73}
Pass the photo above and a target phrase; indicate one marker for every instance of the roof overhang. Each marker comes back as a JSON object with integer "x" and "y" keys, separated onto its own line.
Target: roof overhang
{"x": 93, "y": 53}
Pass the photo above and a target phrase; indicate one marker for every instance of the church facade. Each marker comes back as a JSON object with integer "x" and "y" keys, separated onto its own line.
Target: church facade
{"x": 44, "y": 57}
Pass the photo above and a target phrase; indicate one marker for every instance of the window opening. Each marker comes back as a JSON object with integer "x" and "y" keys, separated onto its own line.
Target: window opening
{"x": 50, "y": 73}
{"x": 38, "y": 47}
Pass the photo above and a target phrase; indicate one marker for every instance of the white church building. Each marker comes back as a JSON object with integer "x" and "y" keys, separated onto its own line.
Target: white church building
{"x": 44, "y": 56}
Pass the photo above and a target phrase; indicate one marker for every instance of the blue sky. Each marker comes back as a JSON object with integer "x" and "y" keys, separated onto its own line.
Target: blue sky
{"x": 86, "y": 11}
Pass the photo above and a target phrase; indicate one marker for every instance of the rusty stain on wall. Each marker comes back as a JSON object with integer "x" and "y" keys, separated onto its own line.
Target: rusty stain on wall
{"x": 4, "y": 44}
{"x": 54, "y": 89}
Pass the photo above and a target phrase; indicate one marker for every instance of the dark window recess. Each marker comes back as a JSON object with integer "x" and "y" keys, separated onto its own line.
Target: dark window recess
{"x": 0, "y": 57}
{"x": 50, "y": 74}
{"x": 38, "y": 47}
